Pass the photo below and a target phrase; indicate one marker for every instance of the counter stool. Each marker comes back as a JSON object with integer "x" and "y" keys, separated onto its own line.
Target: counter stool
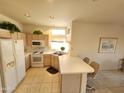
{"x": 86, "y": 60}
{"x": 91, "y": 76}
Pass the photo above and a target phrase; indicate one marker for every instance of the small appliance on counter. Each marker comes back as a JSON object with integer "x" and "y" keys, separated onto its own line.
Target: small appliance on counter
{"x": 59, "y": 53}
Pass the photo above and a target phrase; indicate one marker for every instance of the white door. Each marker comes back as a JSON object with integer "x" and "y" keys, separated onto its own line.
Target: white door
{"x": 8, "y": 65}
{"x": 20, "y": 59}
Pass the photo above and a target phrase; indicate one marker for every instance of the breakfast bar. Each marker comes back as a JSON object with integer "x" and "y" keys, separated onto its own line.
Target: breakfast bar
{"x": 73, "y": 71}
{"x": 73, "y": 74}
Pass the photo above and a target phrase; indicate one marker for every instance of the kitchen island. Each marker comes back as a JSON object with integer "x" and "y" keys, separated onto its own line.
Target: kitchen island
{"x": 73, "y": 74}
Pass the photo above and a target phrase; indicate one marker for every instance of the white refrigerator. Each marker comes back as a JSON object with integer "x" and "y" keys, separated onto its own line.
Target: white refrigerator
{"x": 20, "y": 59}
{"x": 8, "y": 68}
{"x": 10, "y": 64}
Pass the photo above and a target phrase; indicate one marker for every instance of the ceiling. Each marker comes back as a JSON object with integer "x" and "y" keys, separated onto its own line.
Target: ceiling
{"x": 64, "y": 11}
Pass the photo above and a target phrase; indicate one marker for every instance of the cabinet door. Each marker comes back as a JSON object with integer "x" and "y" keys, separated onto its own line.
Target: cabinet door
{"x": 47, "y": 59}
{"x": 29, "y": 40}
{"x": 46, "y": 39}
{"x": 24, "y": 38}
{"x": 4, "y": 33}
{"x": 20, "y": 36}
{"x": 27, "y": 62}
{"x": 35, "y": 37}
{"x": 55, "y": 61}
{"x": 14, "y": 35}
{"x": 41, "y": 37}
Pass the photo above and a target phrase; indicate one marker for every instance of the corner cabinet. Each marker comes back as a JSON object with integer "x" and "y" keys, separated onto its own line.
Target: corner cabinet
{"x": 51, "y": 60}
{"x": 4, "y": 33}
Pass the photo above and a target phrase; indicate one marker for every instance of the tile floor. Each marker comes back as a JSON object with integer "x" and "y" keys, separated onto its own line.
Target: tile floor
{"x": 38, "y": 80}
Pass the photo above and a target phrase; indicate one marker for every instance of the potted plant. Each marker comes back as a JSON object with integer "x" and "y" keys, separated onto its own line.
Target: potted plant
{"x": 9, "y": 26}
{"x": 37, "y": 32}
{"x": 62, "y": 48}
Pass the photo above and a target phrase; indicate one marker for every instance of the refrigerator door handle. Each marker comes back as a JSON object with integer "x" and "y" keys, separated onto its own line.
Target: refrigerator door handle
{"x": 11, "y": 64}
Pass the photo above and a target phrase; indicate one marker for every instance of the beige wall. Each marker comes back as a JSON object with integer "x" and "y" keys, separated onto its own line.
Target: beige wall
{"x": 28, "y": 28}
{"x": 85, "y": 41}
{"x": 45, "y": 29}
{"x": 69, "y": 30}
{"x": 5, "y": 18}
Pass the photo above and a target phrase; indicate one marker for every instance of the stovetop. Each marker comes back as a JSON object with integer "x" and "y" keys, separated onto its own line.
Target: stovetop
{"x": 39, "y": 50}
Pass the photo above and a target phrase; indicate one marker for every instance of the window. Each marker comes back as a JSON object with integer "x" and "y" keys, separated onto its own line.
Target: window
{"x": 57, "y": 45}
{"x": 58, "y": 39}
{"x": 58, "y": 32}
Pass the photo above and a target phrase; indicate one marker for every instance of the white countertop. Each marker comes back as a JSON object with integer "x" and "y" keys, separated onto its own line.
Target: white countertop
{"x": 72, "y": 65}
{"x": 49, "y": 52}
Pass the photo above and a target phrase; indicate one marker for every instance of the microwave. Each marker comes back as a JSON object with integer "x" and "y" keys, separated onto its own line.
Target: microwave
{"x": 38, "y": 43}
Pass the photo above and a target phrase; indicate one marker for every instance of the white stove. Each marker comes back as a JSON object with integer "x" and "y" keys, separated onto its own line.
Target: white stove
{"x": 37, "y": 58}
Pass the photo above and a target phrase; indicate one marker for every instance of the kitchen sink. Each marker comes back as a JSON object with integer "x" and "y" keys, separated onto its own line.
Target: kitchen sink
{"x": 59, "y": 53}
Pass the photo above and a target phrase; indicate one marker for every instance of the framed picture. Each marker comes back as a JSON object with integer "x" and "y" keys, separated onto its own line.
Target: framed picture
{"x": 107, "y": 45}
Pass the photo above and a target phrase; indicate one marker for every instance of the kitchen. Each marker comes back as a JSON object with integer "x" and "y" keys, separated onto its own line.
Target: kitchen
{"x": 43, "y": 45}
{"x": 36, "y": 56}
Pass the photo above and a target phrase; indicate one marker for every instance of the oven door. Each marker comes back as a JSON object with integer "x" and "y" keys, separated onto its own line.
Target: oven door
{"x": 37, "y": 58}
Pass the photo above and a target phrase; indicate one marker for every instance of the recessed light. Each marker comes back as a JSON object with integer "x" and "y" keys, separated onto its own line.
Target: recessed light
{"x": 27, "y": 15}
{"x": 51, "y": 17}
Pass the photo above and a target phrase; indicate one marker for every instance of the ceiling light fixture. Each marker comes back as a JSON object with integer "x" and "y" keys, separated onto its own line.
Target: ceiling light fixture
{"x": 51, "y": 17}
{"x": 27, "y": 15}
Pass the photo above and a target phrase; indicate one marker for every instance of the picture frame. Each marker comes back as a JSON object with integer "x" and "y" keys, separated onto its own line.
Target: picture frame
{"x": 107, "y": 45}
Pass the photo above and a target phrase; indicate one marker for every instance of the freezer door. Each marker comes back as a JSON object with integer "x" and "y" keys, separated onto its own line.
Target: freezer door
{"x": 20, "y": 59}
{"x": 8, "y": 65}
